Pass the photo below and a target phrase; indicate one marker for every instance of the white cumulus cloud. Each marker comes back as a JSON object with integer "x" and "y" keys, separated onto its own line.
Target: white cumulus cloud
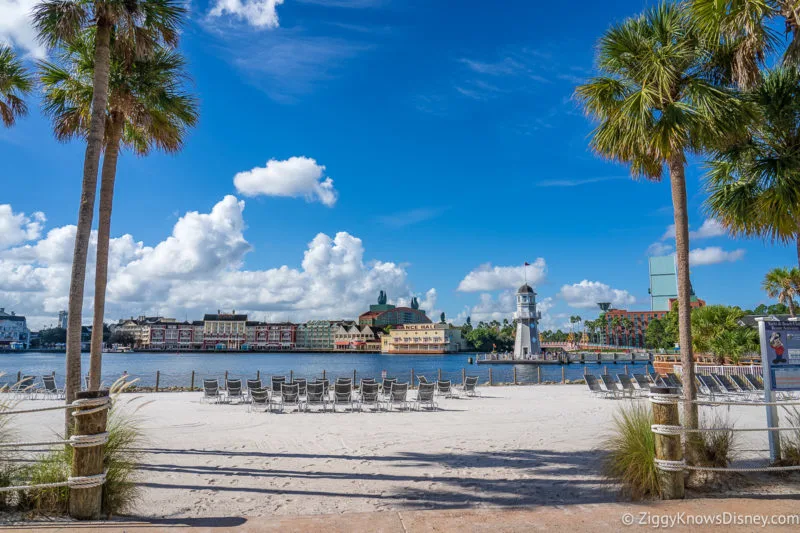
{"x": 489, "y": 278}
{"x": 660, "y": 248}
{"x": 294, "y": 177}
{"x": 17, "y": 227}
{"x": 713, "y": 255}
{"x": 257, "y": 13}
{"x": 711, "y": 227}
{"x": 16, "y": 28}
{"x": 587, "y": 294}
{"x": 199, "y": 268}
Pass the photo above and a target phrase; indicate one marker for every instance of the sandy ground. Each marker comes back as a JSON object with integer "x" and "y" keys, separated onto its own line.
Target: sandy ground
{"x": 533, "y": 445}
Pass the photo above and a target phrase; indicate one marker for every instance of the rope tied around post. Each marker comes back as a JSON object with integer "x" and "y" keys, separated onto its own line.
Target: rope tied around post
{"x": 76, "y": 441}
{"x": 670, "y": 466}
{"x": 664, "y": 399}
{"x": 77, "y": 482}
{"x": 99, "y": 404}
{"x": 664, "y": 429}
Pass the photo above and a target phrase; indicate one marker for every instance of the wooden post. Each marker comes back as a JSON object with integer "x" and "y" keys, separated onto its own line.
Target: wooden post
{"x": 258, "y": 374}
{"x": 291, "y": 376}
{"x": 538, "y": 374}
{"x": 226, "y": 379}
{"x": 354, "y": 377}
{"x": 563, "y": 375}
{"x": 158, "y": 378}
{"x": 86, "y": 503}
{"x": 463, "y": 376}
{"x": 192, "y": 385}
{"x": 323, "y": 373}
{"x": 515, "y": 375}
{"x": 491, "y": 382}
{"x": 19, "y": 376}
{"x": 626, "y": 370}
{"x": 440, "y": 374}
{"x": 605, "y": 370}
{"x": 412, "y": 378}
{"x": 668, "y": 447}
{"x": 585, "y": 370}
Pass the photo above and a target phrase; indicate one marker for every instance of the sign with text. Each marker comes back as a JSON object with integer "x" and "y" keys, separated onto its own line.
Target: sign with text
{"x": 780, "y": 355}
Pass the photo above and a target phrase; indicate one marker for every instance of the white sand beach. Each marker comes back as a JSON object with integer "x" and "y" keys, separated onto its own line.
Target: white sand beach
{"x": 526, "y": 445}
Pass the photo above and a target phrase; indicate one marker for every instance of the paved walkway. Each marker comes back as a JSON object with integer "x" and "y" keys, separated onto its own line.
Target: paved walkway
{"x": 672, "y": 516}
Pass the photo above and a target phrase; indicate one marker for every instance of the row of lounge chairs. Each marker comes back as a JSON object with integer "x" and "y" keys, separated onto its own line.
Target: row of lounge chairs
{"x": 745, "y": 387}
{"x": 624, "y": 386}
{"x": 28, "y": 389}
{"x": 303, "y": 395}
{"x": 736, "y": 387}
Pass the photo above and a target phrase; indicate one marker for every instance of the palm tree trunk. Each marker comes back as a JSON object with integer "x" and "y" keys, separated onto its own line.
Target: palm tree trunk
{"x": 798, "y": 247}
{"x": 109, "y": 174}
{"x": 677, "y": 180}
{"x": 94, "y": 145}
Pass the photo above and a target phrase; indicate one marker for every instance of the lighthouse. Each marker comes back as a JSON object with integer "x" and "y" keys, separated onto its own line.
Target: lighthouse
{"x": 526, "y": 345}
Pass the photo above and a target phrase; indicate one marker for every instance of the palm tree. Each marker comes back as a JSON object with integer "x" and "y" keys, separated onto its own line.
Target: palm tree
{"x": 147, "y": 109}
{"x": 656, "y": 103}
{"x": 616, "y": 323}
{"x": 754, "y": 185}
{"x": 138, "y": 26}
{"x": 14, "y": 84}
{"x": 745, "y": 32}
{"x": 783, "y": 284}
{"x": 627, "y": 325}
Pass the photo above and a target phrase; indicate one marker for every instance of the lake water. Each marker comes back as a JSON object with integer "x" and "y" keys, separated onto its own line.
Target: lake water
{"x": 176, "y": 369}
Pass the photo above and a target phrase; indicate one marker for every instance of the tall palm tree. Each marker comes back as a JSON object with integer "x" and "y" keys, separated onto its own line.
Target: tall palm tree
{"x": 15, "y": 83}
{"x": 754, "y": 185}
{"x": 147, "y": 109}
{"x": 138, "y": 26}
{"x": 656, "y": 103}
{"x": 783, "y": 284}
{"x": 745, "y": 31}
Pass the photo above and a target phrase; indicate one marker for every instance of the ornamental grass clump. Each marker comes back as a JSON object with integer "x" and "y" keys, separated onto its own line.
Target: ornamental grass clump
{"x": 630, "y": 452}
{"x": 8, "y": 468}
{"x": 790, "y": 440}
{"x": 717, "y": 447}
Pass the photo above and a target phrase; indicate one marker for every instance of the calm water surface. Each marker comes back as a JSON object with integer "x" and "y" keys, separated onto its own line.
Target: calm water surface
{"x": 176, "y": 369}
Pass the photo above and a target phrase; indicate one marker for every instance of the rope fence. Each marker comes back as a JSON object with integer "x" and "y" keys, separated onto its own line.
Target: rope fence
{"x": 667, "y": 426}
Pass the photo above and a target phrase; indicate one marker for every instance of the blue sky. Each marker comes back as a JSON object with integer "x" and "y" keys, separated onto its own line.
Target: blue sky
{"x": 449, "y": 134}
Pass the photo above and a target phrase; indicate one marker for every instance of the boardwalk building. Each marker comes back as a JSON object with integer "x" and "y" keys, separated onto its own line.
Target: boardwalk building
{"x": 224, "y": 331}
{"x": 14, "y": 332}
{"x": 422, "y": 339}
{"x": 355, "y": 338}
{"x": 264, "y": 336}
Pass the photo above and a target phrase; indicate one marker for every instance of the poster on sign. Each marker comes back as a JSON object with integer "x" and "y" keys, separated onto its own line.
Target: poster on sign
{"x": 781, "y": 362}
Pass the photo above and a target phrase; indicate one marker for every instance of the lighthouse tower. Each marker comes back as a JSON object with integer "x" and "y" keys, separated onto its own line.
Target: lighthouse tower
{"x": 526, "y": 344}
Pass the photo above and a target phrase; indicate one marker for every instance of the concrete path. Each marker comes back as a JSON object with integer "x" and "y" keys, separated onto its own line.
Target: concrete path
{"x": 728, "y": 515}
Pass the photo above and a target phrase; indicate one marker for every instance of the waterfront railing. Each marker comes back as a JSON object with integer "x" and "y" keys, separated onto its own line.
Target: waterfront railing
{"x": 158, "y": 380}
